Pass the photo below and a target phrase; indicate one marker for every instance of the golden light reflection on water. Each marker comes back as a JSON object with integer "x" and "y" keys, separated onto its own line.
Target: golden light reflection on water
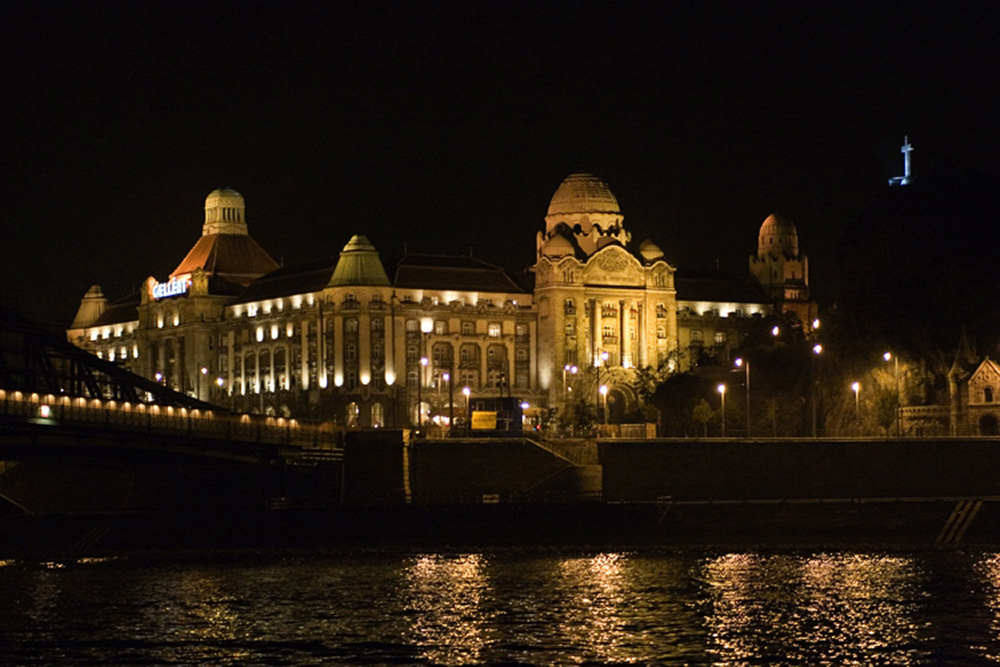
{"x": 840, "y": 608}
{"x": 446, "y": 598}
{"x": 989, "y": 569}
{"x": 593, "y": 593}
{"x": 198, "y": 610}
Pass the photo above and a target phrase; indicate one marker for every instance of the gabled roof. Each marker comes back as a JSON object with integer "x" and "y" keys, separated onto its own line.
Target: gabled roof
{"x": 444, "y": 272}
{"x": 233, "y": 259}
{"x": 717, "y": 286}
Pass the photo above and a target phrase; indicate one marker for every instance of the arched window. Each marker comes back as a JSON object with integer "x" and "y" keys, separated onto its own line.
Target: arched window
{"x": 352, "y": 415}
{"x": 378, "y": 415}
{"x": 988, "y": 394}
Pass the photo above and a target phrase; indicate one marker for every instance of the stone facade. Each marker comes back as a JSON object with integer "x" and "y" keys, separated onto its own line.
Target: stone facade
{"x": 362, "y": 343}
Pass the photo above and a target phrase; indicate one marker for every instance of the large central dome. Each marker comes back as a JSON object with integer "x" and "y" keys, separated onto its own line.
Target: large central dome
{"x": 583, "y": 193}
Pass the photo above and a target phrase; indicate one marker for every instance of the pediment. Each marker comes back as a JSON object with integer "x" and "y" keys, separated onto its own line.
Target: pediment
{"x": 613, "y": 265}
{"x": 988, "y": 374}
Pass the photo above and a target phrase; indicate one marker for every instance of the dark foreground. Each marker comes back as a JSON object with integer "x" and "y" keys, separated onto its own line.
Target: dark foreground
{"x": 599, "y": 525}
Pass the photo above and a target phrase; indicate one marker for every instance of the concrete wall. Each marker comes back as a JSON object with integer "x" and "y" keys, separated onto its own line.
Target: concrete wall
{"x": 737, "y": 470}
{"x": 389, "y": 468}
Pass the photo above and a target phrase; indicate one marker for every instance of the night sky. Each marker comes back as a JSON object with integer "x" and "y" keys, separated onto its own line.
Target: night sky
{"x": 448, "y": 126}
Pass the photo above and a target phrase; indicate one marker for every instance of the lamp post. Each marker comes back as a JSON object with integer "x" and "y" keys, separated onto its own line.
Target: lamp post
{"x": 468, "y": 413}
{"x": 568, "y": 368}
{"x": 745, "y": 363}
{"x": 602, "y": 356}
{"x": 856, "y": 387}
{"x": 722, "y": 392}
{"x": 420, "y": 382}
{"x": 451, "y": 401}
{"x": 201, "y": 371}
{"x": 603, "y": 389}
{"x": 889, "y": 356}
{"x": 817, "y": 348}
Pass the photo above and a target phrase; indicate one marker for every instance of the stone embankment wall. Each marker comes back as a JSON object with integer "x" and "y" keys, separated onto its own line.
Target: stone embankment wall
{"x": 804, "y": 469}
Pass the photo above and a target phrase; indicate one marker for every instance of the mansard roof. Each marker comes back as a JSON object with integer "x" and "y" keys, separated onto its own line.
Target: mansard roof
{"x": 445, "y": 272}
{"x": 718, "y": 286}
{"x": 289, "y": 280}
{"x": 123, "y": 310}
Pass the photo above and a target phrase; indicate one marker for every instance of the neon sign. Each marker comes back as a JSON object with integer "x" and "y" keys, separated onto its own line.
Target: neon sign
{"x": 174, "y": 287}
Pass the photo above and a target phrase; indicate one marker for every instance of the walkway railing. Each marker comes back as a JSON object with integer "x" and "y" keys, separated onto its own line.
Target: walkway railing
{"x": 121, "y": 415}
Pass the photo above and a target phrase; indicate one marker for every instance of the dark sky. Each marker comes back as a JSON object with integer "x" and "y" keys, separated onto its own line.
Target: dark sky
{"x": 449, "y": 125}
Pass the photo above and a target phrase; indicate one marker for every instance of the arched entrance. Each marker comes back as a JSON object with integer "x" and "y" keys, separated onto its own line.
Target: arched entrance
{"x": 988, "y": 425}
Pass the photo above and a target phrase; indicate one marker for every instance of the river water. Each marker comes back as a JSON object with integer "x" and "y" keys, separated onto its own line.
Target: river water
{"x": 529, "y": 607}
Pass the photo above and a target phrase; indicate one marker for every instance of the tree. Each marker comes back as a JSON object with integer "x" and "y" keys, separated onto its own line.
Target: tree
{"x": 702, "y": 414}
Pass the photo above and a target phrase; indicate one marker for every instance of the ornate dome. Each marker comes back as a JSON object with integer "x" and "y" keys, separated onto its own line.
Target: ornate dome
{"x": 558, "y": 246}
{"x": 650, "y": 251}
{"x": 778, "y": 234}
{"x": 225, "y": 212}
{"x": 583, "y": 193}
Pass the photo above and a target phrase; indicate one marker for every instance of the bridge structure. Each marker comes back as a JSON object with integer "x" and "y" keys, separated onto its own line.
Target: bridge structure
{"x": 60, "y": 405}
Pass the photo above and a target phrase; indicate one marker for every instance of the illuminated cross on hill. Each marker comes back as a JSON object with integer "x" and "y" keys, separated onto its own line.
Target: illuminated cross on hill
{"x": 905, "y": 149}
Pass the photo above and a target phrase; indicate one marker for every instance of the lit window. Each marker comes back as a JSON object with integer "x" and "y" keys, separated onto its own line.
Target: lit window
{"x": 440, "y": 327}
{"x": 494, "y": 330}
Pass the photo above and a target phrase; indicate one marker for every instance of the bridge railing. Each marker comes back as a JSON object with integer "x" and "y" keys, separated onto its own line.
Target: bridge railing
{"x": 140, "y": 416}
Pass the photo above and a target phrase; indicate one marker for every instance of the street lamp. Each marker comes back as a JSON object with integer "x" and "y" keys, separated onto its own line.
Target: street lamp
{"x": 420, "y": 382}
{"x": 817, "y": 348}
{"x": 889, "y": 356}
{"x": 745, "y": 364}
{"x": 451, "y": 401}
{"x": 856, "y": 387}
{"x": 602, "y": 356}
{"x": 468, "y": 413}
{"x": 204, "y": 371}
{"x": 604, "y": 396}
{"x": 722, "y": 392}
{"x": 568, "y": 368}
{"x": 775, "y": 330}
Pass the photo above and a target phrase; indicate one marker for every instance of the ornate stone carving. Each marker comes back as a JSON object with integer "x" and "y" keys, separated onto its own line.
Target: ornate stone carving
{"x": 612, "y": 262}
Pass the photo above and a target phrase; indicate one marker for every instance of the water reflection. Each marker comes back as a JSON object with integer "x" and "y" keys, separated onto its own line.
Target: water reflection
{"x": 844, "y": 609}
{"x": 445, "y": 598}
{"x": 593, "y": 593}
{"x": 199, "y": 615}
{"x": 989, "y": 569}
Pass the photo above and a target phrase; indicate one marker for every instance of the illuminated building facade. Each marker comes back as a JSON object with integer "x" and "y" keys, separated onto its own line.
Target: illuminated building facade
{"x": 363, "y": 343}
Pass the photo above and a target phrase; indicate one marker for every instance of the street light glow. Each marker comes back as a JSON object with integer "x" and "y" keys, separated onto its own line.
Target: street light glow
{"x": 887, "y": 356}
{"x": 817, "y": 348}
{"x": 721, "y": 389}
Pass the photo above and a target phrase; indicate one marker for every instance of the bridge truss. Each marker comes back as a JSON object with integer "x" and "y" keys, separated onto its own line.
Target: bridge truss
{"x": 33, "y": 360}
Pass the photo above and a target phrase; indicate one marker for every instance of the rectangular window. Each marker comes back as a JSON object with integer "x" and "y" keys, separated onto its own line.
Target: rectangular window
{"x": 440, "y": 327}
{"x": 468, "y": 328}
{"x": 720, "y": 337}
{"x": 494, "y": 330}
